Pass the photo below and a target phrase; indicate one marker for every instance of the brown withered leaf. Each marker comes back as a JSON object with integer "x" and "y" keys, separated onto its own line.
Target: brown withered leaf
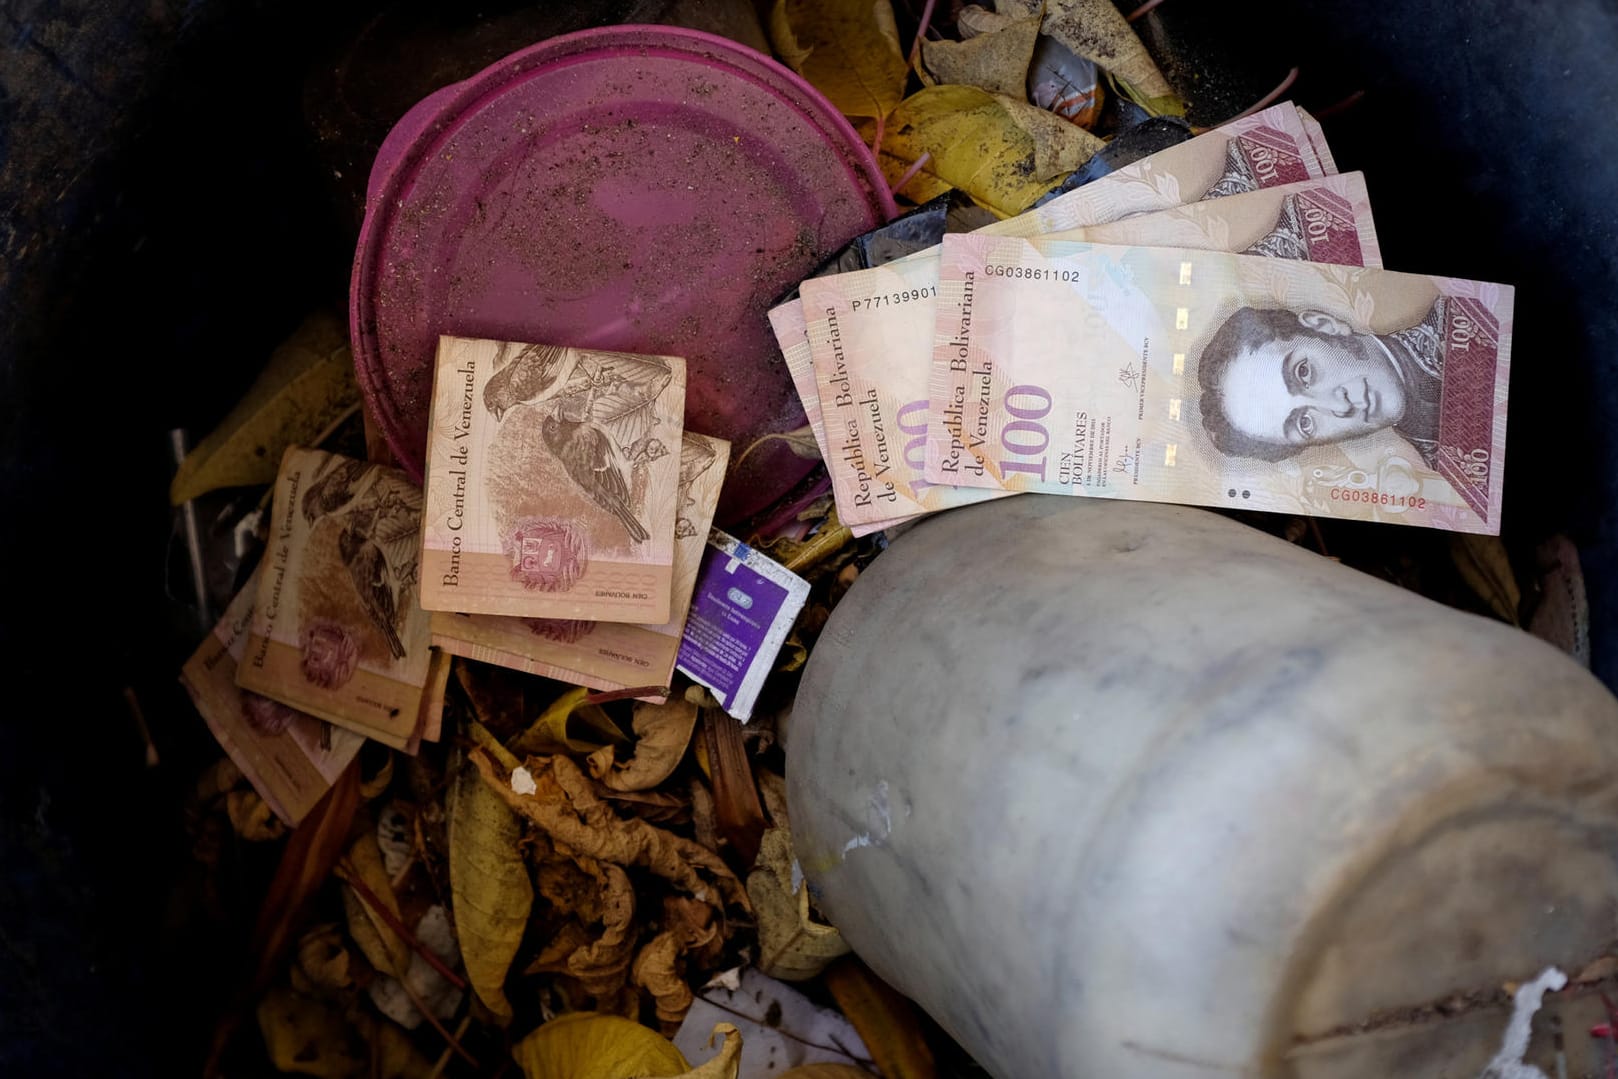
{"x": 792, "y": 945}
{"x": 886, "y": 1020}
{"x": 704, "y": 820}
{"x": 307, "y": 1037}
{"x": 552, "y": 958}
{"x": 736, "y": 806}
{"x": 492, "y": 896}
{"x": 323, "y": 966}
{"x": 305, "y": 863}
{"x": 564, "y": 806}
{"x": 1098, "y": 31}
{"x": 826, "y": 1071}
{"x": 496, "y": 695}
{"x": 602, "y": 965}
{"x": 659, "y": 807}
{"x": 696, "y": 926}
{"x": 657, "y": 970}
{"x": 1485, "y": 566}
{"x": 378, "y": 941}
{"x": 218, "y": 778}
{"x": 996, "y": 61}
{"x": 662, "y": 732}
{"x": 252, "y": 817}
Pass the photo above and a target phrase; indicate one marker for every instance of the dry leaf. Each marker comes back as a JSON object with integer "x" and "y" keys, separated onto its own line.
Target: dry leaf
{"x": 1003, "y": 152}
{"x": 496, "y": 695}
{"x": 657, "y": 971}
{"x": 736, "y": 805}
{"x": 552, "y": 958}
{"x": 826, "y": 1071}
{"x": 306, "y": 1037}
{"x": 662, "y": 731}
{"x": 659, "y": 807}
{"x": 571, "y": 723}
{"x": 1098, "y": 31}
{"x": 323, "y": 965}
{"x": 252, "y": 817}
{"x": 996, "y": 61}
{"x": 395, "y": 1055}
{"x": 490, "y": 886}
{"x": 306, "y": 862}
{"x": 307, "y": 386}
{"x": 372, "y": 786}
{"x": 588, "y": 1045}
{"x": 849, "y": 50}
{"x": 378, "y": 941}
{"x": 567, "y": 809}
{"x": 218, "y": 778}
{"x": 602, "y": 966}
{"x": 792, "y": 945}
{"x": 727, "y": 1065}
{"x": 886, "y": 1021}
{"x": 1486, "y": 569}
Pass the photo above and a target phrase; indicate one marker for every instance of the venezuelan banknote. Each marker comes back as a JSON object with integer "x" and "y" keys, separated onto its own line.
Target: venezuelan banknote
{"x": 289, "y": 756}
{"x": 337, "y": 630}
{"x": 1269, "y": 149}
{"x": 871, "y": 334}
{"x": 1222, "y": 380}
{"x": 606, "y": 655}
{"x": 792, "y": 334}
{"x": 552, "y": 478}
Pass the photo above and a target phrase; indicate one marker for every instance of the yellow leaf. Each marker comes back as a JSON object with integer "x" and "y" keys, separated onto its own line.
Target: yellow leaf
{"x": 1004, "y": 153}
{"x": 729, "y": 1061}
{"x": 380, "y": 943}
{"x": 996, "y": 61}
{"x": 307, "y": 1037}
{"x": 792, "y": 945}
{"x": 662, "y": 731}
{"x": 307, "y": 386}
{"x": 252, "y": 817}
{"x": 589, "y": 1045}
{"x": 569, "y": 723}
{"x": 849, "y": 50}
{"x": 1486, "y": 568}
{"x": 490, "y": 885}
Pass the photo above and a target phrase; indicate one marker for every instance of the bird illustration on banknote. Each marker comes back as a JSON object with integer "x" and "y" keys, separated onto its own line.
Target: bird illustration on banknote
{"x": 529, "y": 377}
{"x": 600, "y": 426}
{"x": 380, "y": 522}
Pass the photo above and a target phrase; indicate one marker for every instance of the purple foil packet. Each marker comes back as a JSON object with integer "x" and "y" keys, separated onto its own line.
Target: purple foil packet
{"x": 741, "y": 612}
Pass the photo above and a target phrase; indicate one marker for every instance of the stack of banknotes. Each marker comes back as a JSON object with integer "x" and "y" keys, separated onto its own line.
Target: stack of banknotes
{"x": 1210, "y": 325}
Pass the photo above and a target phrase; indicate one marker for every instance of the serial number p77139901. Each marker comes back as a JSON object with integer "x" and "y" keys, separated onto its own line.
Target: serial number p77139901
{"x": 1031, "y": 273}
{"x": 891, "y": 299}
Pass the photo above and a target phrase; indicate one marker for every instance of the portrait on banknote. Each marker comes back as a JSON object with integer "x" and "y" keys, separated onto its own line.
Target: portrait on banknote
{"x": 1274, "y": 381}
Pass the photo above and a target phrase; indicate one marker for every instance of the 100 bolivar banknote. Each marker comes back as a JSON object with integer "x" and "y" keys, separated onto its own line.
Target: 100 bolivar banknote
{"x": 870, "y": 333}
{"x": 1219, "y": 379}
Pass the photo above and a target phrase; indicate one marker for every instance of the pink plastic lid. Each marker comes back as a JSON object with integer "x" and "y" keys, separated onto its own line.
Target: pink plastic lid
{"x": 639, "y": 188}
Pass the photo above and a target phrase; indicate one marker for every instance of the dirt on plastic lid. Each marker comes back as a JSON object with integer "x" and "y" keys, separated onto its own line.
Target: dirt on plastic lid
{"x": 639, "y": 188}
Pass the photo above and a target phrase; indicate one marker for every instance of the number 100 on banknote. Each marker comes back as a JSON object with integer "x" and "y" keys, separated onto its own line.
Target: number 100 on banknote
{"x": 1200, "y": 377}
